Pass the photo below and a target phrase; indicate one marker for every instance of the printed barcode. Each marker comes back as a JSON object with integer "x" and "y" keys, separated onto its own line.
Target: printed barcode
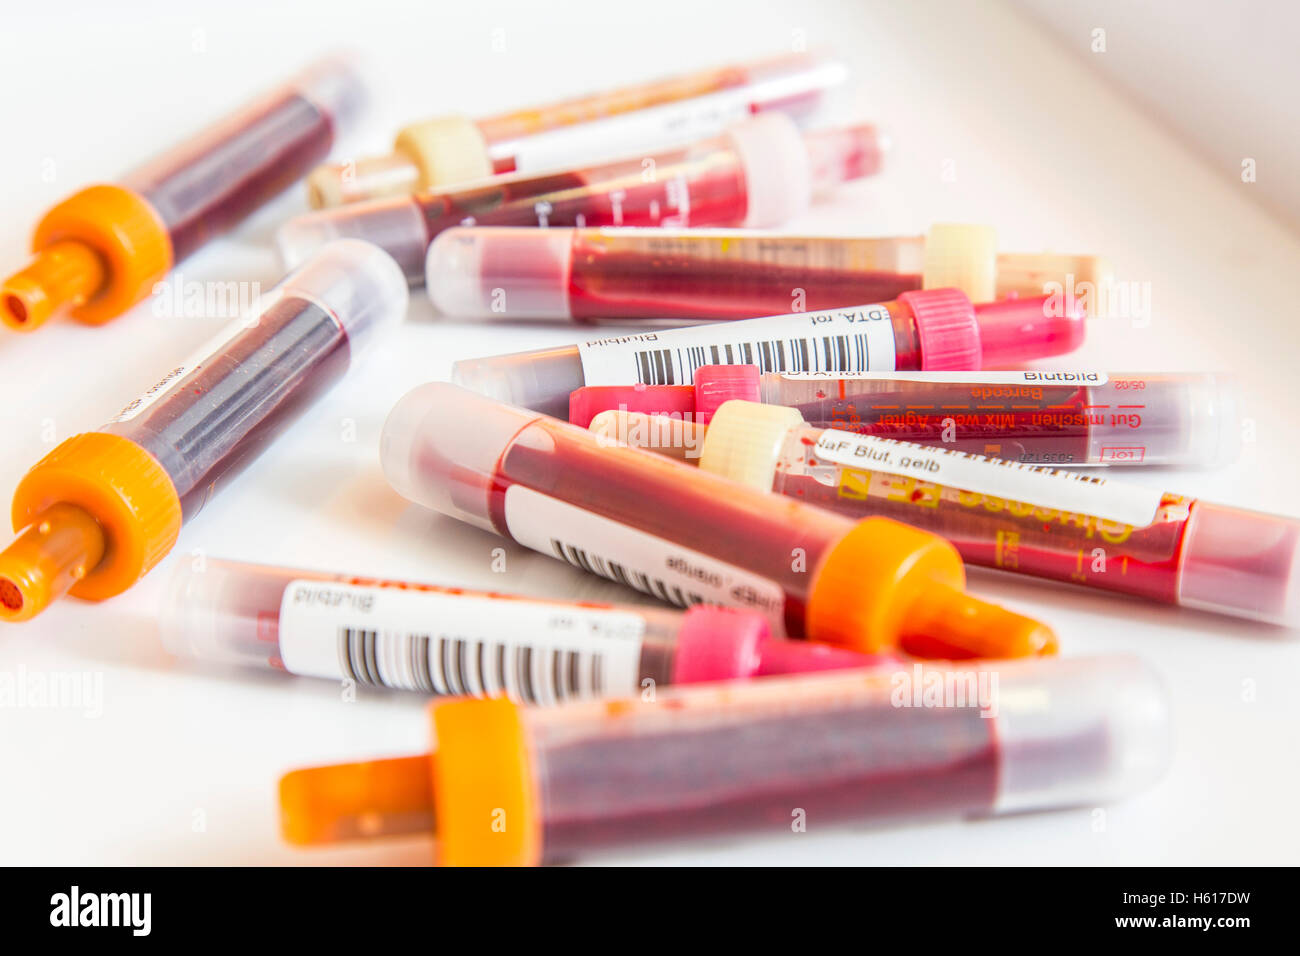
{"x": 444, "y": 665}
{"x": 606, "y": 568}
{"x": 831, "y": 353}
{"x": 1084, "y": 478}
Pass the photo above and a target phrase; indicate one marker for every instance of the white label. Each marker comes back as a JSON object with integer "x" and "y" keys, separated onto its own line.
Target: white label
{"x": 192, "y": 363}
{"x": 1075, "y": 492}
{"x": 834, "y": 341}
{"x": 643, "y": 561}
{"x": 657, "y": 127}
{"x": 963, "y": 378}
{"x": 443, "y": 643}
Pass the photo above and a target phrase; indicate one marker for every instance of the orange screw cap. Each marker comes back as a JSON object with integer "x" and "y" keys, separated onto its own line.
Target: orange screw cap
{"x": 97, "y": 253}
{"x": 886, "y": 584}
{"x": 106, "y": 507}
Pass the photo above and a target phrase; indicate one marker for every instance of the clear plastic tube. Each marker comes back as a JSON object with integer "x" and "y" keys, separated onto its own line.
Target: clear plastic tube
{"x": 595, "y": 275}
{"x": 689, "y": 537}
{"x": 753, "y": 757}
{"x": 1064, "y": 526}
{"x": 661, "y": 113}
{"x": 446, "y": 641}
{"x": 931, "y": 329}
{"x": 1036, "y": 417}
{"x": 161, "y": 459}
{"x": 103, "y": 249}
{"x": 759, "y": 173}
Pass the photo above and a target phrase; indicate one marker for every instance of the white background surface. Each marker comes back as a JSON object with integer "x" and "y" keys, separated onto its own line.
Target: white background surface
{"x": 1040, "y": 146}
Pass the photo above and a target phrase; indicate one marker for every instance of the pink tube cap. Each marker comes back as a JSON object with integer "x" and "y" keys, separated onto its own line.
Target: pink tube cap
{"x": 672, "y": 400}
{"x": 715, "y": 384}
{"x": 718, "y": 643}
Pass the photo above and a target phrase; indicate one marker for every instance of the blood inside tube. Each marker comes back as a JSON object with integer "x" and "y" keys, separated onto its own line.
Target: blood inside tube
{"x": 216, "y": 418}
{"x": 647, "y": 277}
{"x": 653, "y": 496}
{"x": 997, "y": 533}
{"x": 683, "y": 187}
{"x": 857, "y": 759}
{"x": 206, "y": 186}
{"x": 1027, "y": 423}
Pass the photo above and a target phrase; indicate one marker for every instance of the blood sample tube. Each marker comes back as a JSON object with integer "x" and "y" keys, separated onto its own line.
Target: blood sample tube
{"x": 1062, "y": 525}
{"x": 690, "y": 537}
{"x": 759, "y": 173}
{"x": 452, "y": 641}
{"x": 933, "y": 329}
{"x": 711, "y": 761}
{"x": 101, "y": 251}
{"x": 1061, "y": 418}
{"x": 592, "y": 275}
{"x": 101, "y": 509}
{"x": 664, "y": 112}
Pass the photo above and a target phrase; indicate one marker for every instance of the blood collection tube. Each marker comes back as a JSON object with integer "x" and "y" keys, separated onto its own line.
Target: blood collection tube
{"x": 760, "y": 172}
{"x": 1062, "y": 525}
{"x": 621, "y": 274}
{"x": 451, "y": 641}
{"x": 1061, "y": 418}
{"x": 666, "y": 112}
{"x": 101, "y": 251}
{"x": 715, "y": 760}
{"x": 934, "y": 329}
{"x": 101, "y": 509}
{"x": 690, "y": 537}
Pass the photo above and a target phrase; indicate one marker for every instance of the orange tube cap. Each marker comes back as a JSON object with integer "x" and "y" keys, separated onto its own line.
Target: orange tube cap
{"x": 97, "y": 253}
{"x": 483, "y": 786}
{"x": 886, "y": 585}
{"x": 124, "y": 493}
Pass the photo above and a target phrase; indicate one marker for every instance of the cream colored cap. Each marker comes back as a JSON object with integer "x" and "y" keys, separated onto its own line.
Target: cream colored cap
{"x": 744, "y": 441}
{"x": 962, "y": 256}
{"x": 449, "y": 149}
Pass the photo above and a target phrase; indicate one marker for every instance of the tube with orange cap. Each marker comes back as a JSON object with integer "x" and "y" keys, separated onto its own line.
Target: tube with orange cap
{"x": 448, "y": 641}
{"x": 665, "y": 112}
{"x": 518, "y": 786}
{"x": 612, "y": 274}
{"x": 688, "y": 536}
{"x": 101, "y": 509}
{"x": 102, "y": 250}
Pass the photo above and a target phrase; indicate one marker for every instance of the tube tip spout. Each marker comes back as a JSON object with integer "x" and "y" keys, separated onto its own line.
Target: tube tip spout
{"x": 953, "y": 624}
{"x": 56, "y": 551}
{"x": 357, "y": 801}
{"x": 62, "y": 275}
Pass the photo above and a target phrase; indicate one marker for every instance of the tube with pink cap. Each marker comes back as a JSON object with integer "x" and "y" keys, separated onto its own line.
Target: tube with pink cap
{"x": 451, "y": 641}
{"x": 759, "y": 173}
{"x": 936, "y": 329}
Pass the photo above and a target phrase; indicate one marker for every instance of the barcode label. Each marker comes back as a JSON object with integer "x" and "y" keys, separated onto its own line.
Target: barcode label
{"x": 639, "y": 560}
{"x": 443, "y": 643}
{"x": 615, "y": 571}
{"x": 1038, "y": 485}
{"x": 828, "y": 355}
{"x": 838, "y": 341}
